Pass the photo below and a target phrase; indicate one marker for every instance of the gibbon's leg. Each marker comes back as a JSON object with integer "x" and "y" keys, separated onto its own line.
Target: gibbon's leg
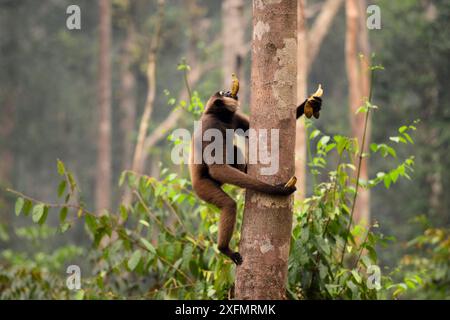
{"x": 211, "y": 192}
{"x": 228, "y": 174}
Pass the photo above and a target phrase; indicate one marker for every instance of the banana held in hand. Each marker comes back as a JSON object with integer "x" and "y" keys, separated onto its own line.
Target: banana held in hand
{"x": 309, "y": 111}
{"x": 234, "y": 85}
{"x": 292, "y": 181}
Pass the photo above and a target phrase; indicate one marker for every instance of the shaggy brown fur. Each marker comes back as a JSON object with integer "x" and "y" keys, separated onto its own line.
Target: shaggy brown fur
{"x": 221, "y": 112}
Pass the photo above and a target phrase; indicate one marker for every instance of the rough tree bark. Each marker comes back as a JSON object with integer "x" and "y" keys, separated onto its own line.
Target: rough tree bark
{"x": 302, "y": 88}
{"x": 359, "y": 85}
{"x": 267, "y": 222}
{"x": 103, "y": 173}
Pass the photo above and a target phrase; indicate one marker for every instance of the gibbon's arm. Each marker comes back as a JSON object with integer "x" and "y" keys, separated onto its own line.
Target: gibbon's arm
{"x": 316, "y": 103}
{"x": 241, "y": 121}
{"x": 227, "y": 174}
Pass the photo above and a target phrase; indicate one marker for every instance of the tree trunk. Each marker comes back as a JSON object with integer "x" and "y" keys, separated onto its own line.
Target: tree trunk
{"x": 267, "y": 223}
{"x": 302, "y": 88}
{"x": 139, "y": 151}
{"x": 127, "y": 96}
{"x": 233, "y": 27}
{"x": 103, "y": 178}
{"x": 359, "y": 85}
{"x": 7, "y": 124}
{"x": 309, "y": 42}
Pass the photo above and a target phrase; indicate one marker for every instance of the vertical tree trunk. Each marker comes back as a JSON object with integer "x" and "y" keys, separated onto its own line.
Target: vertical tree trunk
{"x": 302, "y": 88}
{"x": 139, "y": 152}
{"x": 359, "y": 85}
{"x": 233, "y": 27}
{"x": 267, "y": 223}
{"x": 7, "y": 123}
{"x": 309, "y": 42}
{"x": 127, "y": 96}
{"x": 103, "y": 179}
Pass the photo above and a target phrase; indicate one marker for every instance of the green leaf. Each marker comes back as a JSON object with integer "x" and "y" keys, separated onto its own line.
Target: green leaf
{"x": 91, "y": 222}
{"x": 134, "y": 260}
{"x": 63, "y": 214}
{"x": 314, "y": 134}
{"x": 19, "y": 205}
{"x": 62, "y": 188}
{"x": 38, "y": 212}
{"x": 356, "y": 276}
{"x": 61, "y": 168}
{"x": 65, "y": 226}
{"x": 387, "y": 181}
{"x": 145, "y": 223}
{"x": 408, "y": 137}
{"x": 27, "y": 207}
{"x": 122, "y": 178}
{"x": 79, "y": 295}
{"x": 395, "y": 139}
{"x": 148, "y": 246}
{"x": 394, "y": 176}
{"x": 72, "y": 182}
{"x": 362, "y": 109}
{"x": 44, "y": 216}
{"x": 123, "y": 213}
{"x": 402, "y": 129}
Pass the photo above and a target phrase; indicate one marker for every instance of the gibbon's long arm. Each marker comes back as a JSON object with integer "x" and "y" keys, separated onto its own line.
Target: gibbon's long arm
{"x": 241, "y": 121}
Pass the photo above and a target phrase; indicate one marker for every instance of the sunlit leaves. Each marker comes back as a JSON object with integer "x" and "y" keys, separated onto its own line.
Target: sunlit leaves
{"x": 134, "y": 260}
{"x": 150, "y": 248}
{"x": 38, "y": 212}
{"x": 61, "y": 168}
{"x": 19, "y": 205}
{"x": 62, "y": 188}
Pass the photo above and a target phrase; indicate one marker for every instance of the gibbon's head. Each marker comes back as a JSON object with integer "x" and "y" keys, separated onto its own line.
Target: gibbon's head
{"x": 221, "y": 102}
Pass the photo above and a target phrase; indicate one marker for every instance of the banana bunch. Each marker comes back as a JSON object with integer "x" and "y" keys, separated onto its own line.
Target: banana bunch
{"x": 234, "y": 85}
{"x": 309, "y": 111}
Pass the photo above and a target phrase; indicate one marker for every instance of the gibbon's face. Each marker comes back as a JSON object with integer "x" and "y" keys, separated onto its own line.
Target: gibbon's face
{"x": 221, "y": 101}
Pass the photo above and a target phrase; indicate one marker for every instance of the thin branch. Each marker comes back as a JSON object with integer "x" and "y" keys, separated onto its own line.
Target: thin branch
{"x": 361, "y": 151}
{"x": 172, "y": 119}
{"x": 151, "y": 78}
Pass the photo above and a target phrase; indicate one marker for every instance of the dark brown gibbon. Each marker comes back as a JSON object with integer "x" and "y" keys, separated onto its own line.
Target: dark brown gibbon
{"x": 221, "y": 112}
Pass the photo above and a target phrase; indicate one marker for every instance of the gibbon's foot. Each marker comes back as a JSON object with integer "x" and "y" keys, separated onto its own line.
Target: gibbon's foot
{"x": 285, "y": 191}
{"x": 237, "y": 258}
{"x": 234, "y": 256}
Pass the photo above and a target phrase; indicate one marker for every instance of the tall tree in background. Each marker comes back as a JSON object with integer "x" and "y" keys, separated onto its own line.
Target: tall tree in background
{"x": 357, "y": 56}
{"x": 127, "y": 95}
{"x": 234, "y": 48}
{"x": 103, "y": 173}
{"x": 309, "y": 43}
{"x": 139, "y": 151}
{"x": 267, "y": 223}
{"x": 198, "y": 26}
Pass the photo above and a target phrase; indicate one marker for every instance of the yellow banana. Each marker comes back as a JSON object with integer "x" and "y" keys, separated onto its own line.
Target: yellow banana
{"x": 309, "y": 112}
{"x": 234, "y": 85}
{"x": 292, "y": 181}
{"x": 319, "y": 92}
